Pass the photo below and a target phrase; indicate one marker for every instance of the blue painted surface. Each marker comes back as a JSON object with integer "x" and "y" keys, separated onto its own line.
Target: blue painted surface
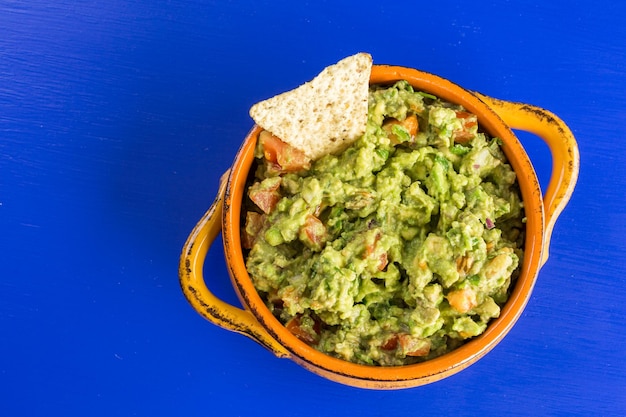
{"x": 116, "y": 120}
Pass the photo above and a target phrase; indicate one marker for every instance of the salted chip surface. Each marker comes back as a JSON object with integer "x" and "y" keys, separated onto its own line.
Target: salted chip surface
{"x": 324, "y": 115}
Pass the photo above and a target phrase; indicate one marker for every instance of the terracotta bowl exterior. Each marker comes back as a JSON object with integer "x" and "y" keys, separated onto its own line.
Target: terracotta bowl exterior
{"x": 498, "y": 118}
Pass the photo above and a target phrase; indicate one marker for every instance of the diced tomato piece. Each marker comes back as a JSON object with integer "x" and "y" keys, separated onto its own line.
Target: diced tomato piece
{"x": 270, "y": 145}
{"x": 410, "y": 123}
{"x": 313, "y": 233}
{"x": 463, "y": 114}
{"x": 285, "y": 156}
{"x": 266, "y": 194}
{"x": 468, "y": 131}
{"x": 462, "y": 136}
{"x": 308, "y": 336}
{"x": 391, "y": 343}
{"x": 409, "y": 345}
{"x": 293, "y": 160}
{"x": 265, "y": 200}
{"x": 254, "y": 225}
{"x": 462, "y": 300}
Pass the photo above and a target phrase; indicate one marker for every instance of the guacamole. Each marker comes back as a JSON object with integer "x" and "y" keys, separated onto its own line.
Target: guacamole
{"x": 396, "y": 250}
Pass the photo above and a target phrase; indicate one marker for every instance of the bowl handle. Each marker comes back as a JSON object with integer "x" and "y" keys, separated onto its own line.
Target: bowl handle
{"x": 196, "y": 291}
{"x": 562, "y": 145}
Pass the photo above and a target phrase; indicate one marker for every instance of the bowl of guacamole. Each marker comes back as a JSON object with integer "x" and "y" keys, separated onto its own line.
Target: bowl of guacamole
{"x": 398, "y": 261}
{"x": 398, "y": 249}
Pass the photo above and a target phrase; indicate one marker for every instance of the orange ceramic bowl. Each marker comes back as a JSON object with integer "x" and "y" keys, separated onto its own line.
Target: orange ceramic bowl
{"x": 256, "y": 321}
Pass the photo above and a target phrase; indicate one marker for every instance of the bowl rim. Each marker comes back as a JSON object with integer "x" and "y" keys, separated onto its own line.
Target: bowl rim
{"x": 457, "y": 359}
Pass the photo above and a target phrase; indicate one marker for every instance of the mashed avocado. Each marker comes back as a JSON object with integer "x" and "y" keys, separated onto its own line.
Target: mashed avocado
{"x": 398, "y": 249}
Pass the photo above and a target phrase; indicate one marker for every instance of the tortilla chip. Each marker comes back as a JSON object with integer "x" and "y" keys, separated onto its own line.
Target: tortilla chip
{"x": 324, "y": 115}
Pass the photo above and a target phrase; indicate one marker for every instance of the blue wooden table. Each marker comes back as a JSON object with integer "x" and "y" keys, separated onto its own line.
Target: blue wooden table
{"x": 117, "y": 119}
